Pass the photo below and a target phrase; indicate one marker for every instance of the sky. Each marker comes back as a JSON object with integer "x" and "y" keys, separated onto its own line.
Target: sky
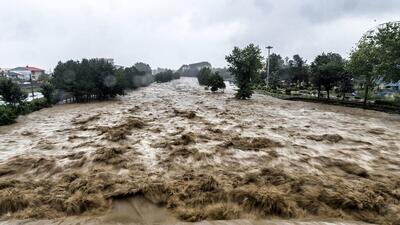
{"x": 169, "y": 33}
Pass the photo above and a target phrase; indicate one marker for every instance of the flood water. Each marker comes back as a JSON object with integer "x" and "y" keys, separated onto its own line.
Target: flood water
{"x": 174, "y": 152}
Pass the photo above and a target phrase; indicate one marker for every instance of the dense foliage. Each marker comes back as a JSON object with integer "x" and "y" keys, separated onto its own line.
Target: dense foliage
{"x": 8, "y": 115}
{"x": 377, "y": 57}
{"x": 88, "y": 79}
{"x": 204, "y": 76}
{"x": 245, "y": 64}
{"x": 216, "y": 82}
{"x": 10, "y": 92}
{"x": 132, "y": 78}
{"x": 166, "y": 76}
{"x": 47, "y": 89}
{"x": 327, "y": 70}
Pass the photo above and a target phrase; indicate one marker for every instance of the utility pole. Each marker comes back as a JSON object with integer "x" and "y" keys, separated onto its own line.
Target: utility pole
{"x": 269, "y": 52}
{"x": 30, "y": 79}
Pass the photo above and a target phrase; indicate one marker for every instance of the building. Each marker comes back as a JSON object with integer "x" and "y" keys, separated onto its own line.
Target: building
{"x": 3, "y": 72}
{"x": 24, "y": 73}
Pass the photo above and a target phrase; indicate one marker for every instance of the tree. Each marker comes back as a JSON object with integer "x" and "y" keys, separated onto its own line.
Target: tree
{"x": 47, "y": 89}
{"x": 346, "y": 84}
{"x": 216, "y": 82}
{"x": 327, "y": 70}
{"x": 94, "y": 78}
{"x": 204, "y": 76}
{"x": 245, "y": 64}
{"x": 363, "y": 63}
{"x": 10, "y": 92}
{"x": 299, "y": 70}
{"x": 164, "y": 77}
{"x": 377, "y": 57}
{"x": 387, "y": 44}
{"x": 276, "y": 65}
{"x": 143, "y": 67}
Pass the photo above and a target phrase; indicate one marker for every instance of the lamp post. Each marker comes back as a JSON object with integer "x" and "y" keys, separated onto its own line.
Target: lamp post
{"x": 30, "y": 80}
{"x": 269, "y": 51}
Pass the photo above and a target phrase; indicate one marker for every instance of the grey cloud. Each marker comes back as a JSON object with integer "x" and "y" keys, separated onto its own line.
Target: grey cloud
{"x": 327, "y": 10}
{"x": 170, "y": 33}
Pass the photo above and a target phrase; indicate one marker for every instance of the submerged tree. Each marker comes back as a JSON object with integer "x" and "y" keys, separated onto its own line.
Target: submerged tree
{"x": 245, "y": 64}
{"x": 216, "y": 82}
{"x": 204, "y": 76}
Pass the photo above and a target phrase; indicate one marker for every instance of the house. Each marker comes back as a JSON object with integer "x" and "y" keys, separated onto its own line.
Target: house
{"x": 25, "y": 73}
{"x": 3, "y": 72}
{"x": 192, "y": 70}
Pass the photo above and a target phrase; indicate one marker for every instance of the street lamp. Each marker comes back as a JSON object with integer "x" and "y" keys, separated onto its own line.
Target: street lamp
{"x": 269, "y": 51}
{"x": 30, "y": 79}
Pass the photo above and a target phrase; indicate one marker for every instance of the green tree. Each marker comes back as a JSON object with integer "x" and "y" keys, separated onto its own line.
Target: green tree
{"x": 143, "y": 67}
{"x": 165, "y": 76}
{"x": 204, "y": 76}
{"x": 47, "y": 89}
{"x": 377, "y": 58}
{"x": 276, "y": 69}
{"x": 10, "y": 92}
{"x": 216, "y": 82}
{"x": 387, "y": 44}
{"x": 346, "y": 84}
{"x": 299, "y": 70}
{"x": 363, "y": 63}
{"x": 327, "y": 70}
{"x": 246, "y": 65}
{"x": 94, "y": 78}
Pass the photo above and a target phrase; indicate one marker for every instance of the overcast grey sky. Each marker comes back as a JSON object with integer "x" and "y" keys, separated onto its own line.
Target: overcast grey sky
{"x": 169, "y": 33}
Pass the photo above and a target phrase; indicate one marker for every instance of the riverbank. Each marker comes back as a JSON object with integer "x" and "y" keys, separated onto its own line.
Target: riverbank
{"x": 346, "y": 103}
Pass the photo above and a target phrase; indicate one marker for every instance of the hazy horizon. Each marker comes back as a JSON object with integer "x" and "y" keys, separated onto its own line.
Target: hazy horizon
{"x": 171, "y": 33}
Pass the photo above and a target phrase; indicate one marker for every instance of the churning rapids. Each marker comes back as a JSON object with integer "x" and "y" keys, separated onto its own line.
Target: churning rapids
{"x": 174, "y": 154}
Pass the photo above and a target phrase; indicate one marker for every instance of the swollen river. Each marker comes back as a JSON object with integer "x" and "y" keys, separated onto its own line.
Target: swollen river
{"x": 175, "y": 153}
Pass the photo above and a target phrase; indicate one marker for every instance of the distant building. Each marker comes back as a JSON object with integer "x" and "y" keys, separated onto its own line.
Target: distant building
{"x": 108, "y": 60}
{"x": 3, "y": 72}
{"x": 192, "y": 70}
{"x": 24, "y": 73}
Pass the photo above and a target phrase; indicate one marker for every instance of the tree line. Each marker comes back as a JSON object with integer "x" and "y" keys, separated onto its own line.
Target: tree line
{"x": 166, "y": 76}
{"x": 76, "y": 81}
{"x": 97, "y": 79}
{"x": 375, "y": 59}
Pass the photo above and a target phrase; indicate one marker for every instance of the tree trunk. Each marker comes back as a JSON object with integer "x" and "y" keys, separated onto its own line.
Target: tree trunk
{"x": 366, "y": 94}
{"x": 319, "y": 92}
{"x": 327, "y": 92}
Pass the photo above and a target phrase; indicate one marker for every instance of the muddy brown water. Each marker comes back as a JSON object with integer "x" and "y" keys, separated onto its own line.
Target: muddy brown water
{"x": 174, "y": 153}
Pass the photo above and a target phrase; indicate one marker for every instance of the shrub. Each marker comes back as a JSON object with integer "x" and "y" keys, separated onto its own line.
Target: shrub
{"x": 8, "y": 115}
{"x": 166, "y": 76}
{"x": 204, "y": 76}
{"x": 216, "y": 82}
{"x": 47, "y": 89}
{"x": 11, "y": 92}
